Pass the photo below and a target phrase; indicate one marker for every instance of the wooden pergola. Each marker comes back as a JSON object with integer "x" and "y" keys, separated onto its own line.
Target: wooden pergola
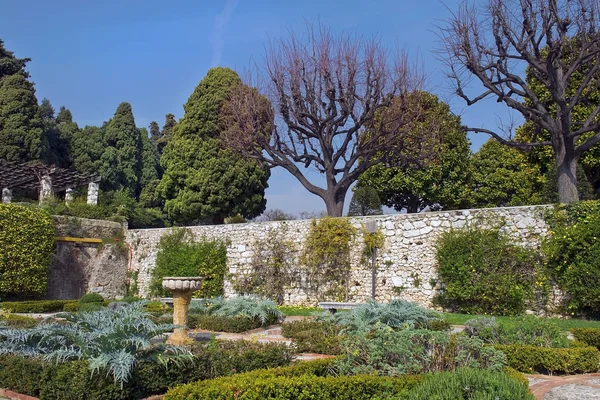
{"x": 34, "y": 175}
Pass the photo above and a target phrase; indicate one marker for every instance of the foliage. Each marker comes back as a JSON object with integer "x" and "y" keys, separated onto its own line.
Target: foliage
{"x": 109, "y": 340}
{"x": 306, "y": 379}
{"x": 16, "y": 321}
{"x": 385, "y": 351}
{"x": 21, "y": 127}
{"x": 204, "y": 181}
{"x": 91, "y": 298}
{"x": 483, "y": 272}
{"x": 326, "y": 257}
{"x": 217, "y": 323}
{"x": 397, "y": 314}
{"x": 254, "y": 307}
{"x": 572, "y": 252}
{"x": 441, "y": 183}
{"x": 365, "y": 201}
{"x": 272, "y": 268}
{"x": 300, "y": 310}
{"x": 36, "y": 306}
{"x": 311, "y": 336}
{"x": 470, "y": 384}
{"x": 179, "y": 255}
{"x": 529, "y": 330}
{"x": 372, "y": 241}
{"x": 26, "y": 247}
{"x": 545, "y": 360}
{"x": 503, "y": 177}
{"x": 72, "y": 381}
{"x": 589, "y": 336}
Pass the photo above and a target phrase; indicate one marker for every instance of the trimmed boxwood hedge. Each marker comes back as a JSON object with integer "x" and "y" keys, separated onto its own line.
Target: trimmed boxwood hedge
{"x": 37, "y": 306}
{"x": 544, "y": 360}
{"x": 290, "y": 384}
{"x": 27, "y": 239}
{"x": 218, "y": 323}
{"x": 73, "y": 380}
{"x": 589, "y": 336}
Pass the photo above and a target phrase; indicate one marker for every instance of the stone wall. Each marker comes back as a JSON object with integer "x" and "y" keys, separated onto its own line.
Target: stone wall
{"x": 406, "y": 263}
{"x": 78, "y": 268}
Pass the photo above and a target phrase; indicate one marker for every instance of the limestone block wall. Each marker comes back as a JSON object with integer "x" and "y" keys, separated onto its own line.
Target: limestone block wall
{"x": 406, "y": 265}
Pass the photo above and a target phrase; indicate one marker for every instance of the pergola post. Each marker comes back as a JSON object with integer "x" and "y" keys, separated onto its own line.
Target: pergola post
{"x": 6, "y": 195}
{"x": 45, "y": 188}
{"x": 92, "y": 194}
{"x": 69, "y": 195}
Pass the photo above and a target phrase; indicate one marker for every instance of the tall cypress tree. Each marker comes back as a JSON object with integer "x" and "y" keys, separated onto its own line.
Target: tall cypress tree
{"x": 167, "y": 132}
{"x": 21, "y": 127}
{"x": 56, "y": 143}
{"x": 87, "y": 147}
{"x": 202, "y": 180}
{"x": 121, "y": 162}
{"x": 155, "y": 133}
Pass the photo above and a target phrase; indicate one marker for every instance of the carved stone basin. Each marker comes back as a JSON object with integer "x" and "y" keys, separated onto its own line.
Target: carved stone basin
{"x": 182, "y": 288}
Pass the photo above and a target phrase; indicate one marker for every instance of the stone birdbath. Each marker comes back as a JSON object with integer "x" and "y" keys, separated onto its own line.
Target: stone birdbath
{"x": 182, "y": 289}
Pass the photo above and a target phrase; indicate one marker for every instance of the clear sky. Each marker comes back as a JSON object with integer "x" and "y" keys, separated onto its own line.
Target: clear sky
{"x": 92, "y": 55}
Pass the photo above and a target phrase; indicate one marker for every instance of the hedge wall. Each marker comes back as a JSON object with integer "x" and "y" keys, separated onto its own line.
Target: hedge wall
{"x": 26, "y": 245}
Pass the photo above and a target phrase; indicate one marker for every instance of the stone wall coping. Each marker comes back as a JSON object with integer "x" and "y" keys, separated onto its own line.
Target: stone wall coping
{"x": 93, "y": 222}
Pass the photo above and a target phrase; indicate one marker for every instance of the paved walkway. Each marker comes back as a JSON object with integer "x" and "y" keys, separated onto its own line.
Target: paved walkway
{"x": 572, "y": 387}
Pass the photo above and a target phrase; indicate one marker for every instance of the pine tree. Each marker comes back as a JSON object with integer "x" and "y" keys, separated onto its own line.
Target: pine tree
{"x": 121, "y": 161}
{"x": 202, "y": 180}
{"x": 155, "y": 133}
{"x": 87, "y": 147}
{"x": 365, "y": 201}
{"x": 167, "y": 132}
{"x": 21, "y": 127}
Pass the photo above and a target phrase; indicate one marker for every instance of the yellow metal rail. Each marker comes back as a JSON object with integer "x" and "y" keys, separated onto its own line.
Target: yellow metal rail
{"x": 77, "y": 240}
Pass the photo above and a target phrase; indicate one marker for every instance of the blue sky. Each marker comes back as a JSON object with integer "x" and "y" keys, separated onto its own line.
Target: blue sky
{"x": 92, "y": 55}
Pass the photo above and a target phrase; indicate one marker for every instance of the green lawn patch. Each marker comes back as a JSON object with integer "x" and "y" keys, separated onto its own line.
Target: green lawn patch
{"x": 564, "y": 324}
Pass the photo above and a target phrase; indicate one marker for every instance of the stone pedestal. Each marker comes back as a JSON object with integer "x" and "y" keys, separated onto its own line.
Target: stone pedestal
{"x": 182, "y": 289}
{"x": 6, "y": 195}
{"x": 92, "y": 194}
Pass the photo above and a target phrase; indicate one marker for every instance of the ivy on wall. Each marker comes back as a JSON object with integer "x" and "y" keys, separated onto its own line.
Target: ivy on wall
{"x": 27, "y": 240}
{"x": 180, "y": 255}
{"x": 326, "y": 257}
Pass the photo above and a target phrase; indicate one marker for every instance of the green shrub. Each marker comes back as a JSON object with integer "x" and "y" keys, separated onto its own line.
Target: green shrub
{"x": 528, "y": 330}
{"x": 26, "y": 245}
{"x": 482, "y": 272}
{"x": 71, "y": 306}
{"x": 467, "y": 384}
{"x": 179, "y": 255}
{"x": 589, "y": 336}
{"x": 89, "y": 307}
{"x": 439, "y": 325}
{"x": 255, "y": 307}
{"x": 17, "y": 321}
{"x": 572, "y": 251}
{"x": 543, "y": 360}
{"x": 272, "y": 384}
{"x": 91, "y": 298}
{"x": 217, "y": 323}
{"x": 312, "y": 336}
{"x": 130, "y": 299}
{"x": 73, "y": 381}
{"x": 395, "y": 352}
{"x": 36, "y": 306}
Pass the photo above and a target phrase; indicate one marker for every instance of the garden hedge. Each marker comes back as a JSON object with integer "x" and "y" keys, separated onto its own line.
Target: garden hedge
{"x": 72, "y": 380}
{"x": 589, "y": 336}
{"x": 217, "y": 323}
{"x": 312, "y": 336}
{"x": 37, "y": 306}
{"x": 544, "y": 360}
{"x": 27, "y": 239}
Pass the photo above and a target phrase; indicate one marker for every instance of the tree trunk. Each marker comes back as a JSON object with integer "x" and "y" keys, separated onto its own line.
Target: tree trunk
{"x": 566, "y": 172}
{"x": 334, "y": 204}
{"x": 412, "y": 205}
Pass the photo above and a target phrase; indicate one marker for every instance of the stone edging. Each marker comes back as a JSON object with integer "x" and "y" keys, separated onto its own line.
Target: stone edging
{"x": 18, "y": 396}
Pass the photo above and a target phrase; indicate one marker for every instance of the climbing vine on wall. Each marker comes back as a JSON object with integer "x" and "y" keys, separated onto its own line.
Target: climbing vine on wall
{"x": 326, "y": 257}
{"x": 273, "y": 267}
{"x": 26, "y": 244}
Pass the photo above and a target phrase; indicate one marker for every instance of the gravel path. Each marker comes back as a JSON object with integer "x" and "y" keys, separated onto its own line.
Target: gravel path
{"x": 573, "y": 387}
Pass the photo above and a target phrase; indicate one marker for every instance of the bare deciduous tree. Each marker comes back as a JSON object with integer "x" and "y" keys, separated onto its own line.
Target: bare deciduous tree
{"x": 328, "y": 95}
{"x": 496, "y": 43}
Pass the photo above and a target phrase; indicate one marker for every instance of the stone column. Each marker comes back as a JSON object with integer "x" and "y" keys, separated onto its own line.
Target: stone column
{"x": 92, "y": 194}
{"x": 69, "y": 195}
{"x": 6, "y": 195}
{"x": 45, "y": 188}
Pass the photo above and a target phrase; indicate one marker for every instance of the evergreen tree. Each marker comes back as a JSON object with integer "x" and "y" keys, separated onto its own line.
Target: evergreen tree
{"x": 167, "y": 132}
{"x": 21, "y": 127}
{"x": 155, "y": 133}
{"x": 202, "y": 180}
{"x": 365, "y": 201}
{"x": 67, "y": 129}
{"x": 87, "y": 147}
{"x": 56, "y": 146}
{"x": 121, "y": 161}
